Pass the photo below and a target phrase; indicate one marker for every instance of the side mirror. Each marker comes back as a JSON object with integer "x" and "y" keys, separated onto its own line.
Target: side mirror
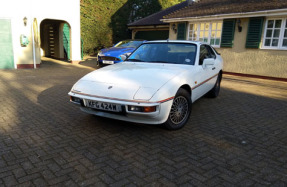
{"x": 208, "y": 62}
{"x": 123, "y": 57}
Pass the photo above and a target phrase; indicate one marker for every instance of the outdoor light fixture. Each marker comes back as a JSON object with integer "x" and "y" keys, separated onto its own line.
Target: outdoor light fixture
{"x": 174, "y": 28}
{"x": 239, "y": 25}
{"x": 25, "y": 21}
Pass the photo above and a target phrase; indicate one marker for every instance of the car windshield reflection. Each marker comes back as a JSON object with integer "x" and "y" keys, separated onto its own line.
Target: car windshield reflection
{"x": 171, "y": 53}
{"x": 129, "y": 43}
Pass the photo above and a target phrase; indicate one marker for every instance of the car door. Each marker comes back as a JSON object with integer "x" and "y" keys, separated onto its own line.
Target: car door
{"x": 212, "y": 69}
{"x": 205, "y": 74}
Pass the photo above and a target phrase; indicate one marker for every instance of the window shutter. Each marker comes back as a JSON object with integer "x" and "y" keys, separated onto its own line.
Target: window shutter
{"x": 254, "y": 32}
{"x": 181, "y": 31}
{"x": 228, "y": 33}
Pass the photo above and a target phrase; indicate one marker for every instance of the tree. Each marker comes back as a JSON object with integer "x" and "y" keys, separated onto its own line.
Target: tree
{"x": 104, "y": 22}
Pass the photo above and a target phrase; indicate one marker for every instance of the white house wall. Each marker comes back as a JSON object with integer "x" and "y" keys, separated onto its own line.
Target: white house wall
{"x": 16, "y": 10}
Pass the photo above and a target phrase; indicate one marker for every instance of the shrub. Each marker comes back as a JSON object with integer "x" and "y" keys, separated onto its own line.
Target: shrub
{"x": 104, "y": 22}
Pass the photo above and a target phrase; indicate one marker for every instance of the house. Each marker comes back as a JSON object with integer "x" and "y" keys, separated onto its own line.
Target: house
{"x": 30, "y": 29}
{"x": 151, "y": 27}
{"x": 250, "y": 35}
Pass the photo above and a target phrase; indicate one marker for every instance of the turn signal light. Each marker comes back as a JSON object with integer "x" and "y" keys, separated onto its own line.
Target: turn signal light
{"x": 75, "y": 100}
{"x": 149, "y": 109}
{"x": 142, "y": 109}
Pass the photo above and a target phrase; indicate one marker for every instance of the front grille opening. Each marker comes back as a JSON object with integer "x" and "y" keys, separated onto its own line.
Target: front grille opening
{"x": 109, "y": 58}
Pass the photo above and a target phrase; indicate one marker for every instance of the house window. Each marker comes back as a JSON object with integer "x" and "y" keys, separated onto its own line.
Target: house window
{"x": 192, "y": 32}
{"x": 215, "y": 34}
{"x": 285, "y": 35}
{"x": 206, "y": 32}
{"x": 275, "y": 36}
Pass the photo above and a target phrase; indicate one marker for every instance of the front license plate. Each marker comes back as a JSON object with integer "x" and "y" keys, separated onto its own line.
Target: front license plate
{"x": 103, "y": 106}
{"x": 108, "y": 62}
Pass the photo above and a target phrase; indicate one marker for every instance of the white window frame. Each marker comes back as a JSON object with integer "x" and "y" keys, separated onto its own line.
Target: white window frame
{"x": 209, "y": 31}
{"x": 281, "y": 35}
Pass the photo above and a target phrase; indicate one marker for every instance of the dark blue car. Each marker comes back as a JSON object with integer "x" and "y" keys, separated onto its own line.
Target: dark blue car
{"x": 112, "y": 55}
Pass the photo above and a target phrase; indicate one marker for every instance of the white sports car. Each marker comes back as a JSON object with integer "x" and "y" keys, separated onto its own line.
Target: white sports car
{"x": 156, "y": 84}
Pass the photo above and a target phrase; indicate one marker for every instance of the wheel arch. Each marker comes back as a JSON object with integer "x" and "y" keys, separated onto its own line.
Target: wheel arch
{"x": 187, "y": 88}
{"x": 172, "y": 122}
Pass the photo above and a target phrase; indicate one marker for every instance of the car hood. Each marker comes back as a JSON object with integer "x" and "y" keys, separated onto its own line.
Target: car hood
{"x": 116, "y": 51}
{"x": 128, "y": 80}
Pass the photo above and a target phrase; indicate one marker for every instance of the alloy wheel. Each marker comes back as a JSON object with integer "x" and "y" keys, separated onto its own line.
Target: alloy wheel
{"x": 179, "y": 110}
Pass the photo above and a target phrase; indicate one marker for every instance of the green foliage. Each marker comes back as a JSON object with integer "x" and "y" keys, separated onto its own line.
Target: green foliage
{"x": 168, "y": 3}
{"x": 104, "y": 22}
{"x": 95, "y": 23}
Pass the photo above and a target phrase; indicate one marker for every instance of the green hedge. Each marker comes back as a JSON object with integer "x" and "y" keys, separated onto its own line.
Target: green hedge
{"x": 104, "y": 22}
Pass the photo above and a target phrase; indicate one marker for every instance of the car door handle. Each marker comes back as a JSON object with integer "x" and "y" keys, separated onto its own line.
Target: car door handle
{"x": 213, "y": 68}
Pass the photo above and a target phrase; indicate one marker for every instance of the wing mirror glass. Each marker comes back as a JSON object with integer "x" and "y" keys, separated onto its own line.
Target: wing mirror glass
{"x": 208, "y": 62}
{"x": 123, "y": 57}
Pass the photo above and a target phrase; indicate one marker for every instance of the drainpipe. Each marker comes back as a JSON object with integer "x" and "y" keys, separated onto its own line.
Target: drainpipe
{"x": 33, "y": 41}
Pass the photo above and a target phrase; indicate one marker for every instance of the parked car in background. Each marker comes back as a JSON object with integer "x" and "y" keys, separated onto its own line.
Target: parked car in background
{"x": 156, "y": 84}
{"x": 112, "y": 55}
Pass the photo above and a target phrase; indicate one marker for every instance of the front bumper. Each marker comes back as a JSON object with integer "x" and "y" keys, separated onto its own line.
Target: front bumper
{"x": 108, "y": 60}
{"x": 157, "y": 117}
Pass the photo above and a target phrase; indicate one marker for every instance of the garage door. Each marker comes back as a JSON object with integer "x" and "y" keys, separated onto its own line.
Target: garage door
{"x": 152, "y": 35}
{"x": 6, "y": 49}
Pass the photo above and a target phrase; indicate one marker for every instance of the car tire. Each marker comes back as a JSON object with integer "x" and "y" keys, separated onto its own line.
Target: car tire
{"x": 99, "y": 65}
{"x": 214, "y": 92}
{"x": 180, "y": 110}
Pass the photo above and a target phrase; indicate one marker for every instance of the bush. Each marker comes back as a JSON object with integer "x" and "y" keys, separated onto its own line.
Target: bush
{"x": 104, "y": 22}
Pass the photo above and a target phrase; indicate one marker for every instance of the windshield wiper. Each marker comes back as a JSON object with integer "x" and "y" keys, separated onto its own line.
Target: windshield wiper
{"x": 134, "y": 60}
{"x": 159, "y": 61}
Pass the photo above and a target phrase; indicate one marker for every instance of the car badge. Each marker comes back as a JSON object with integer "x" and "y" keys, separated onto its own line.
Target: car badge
{"x": 110, "y": 87}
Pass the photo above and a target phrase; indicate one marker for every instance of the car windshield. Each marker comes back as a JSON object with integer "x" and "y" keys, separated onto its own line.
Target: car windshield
{"x": 172, "y": 53}
{"x": 129, "y": 43}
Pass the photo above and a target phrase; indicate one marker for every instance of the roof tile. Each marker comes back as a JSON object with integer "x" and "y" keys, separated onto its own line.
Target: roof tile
{"x": 216, "y": 7}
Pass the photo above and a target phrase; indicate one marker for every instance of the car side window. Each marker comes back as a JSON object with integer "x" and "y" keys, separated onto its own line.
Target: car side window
{"x": 211, "y": 52}
{"x": 204, "y": 53}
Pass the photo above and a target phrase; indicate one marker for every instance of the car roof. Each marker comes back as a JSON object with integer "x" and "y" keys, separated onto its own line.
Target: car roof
{"x": 132, "y": 40}
{"x": 176, "y": 41}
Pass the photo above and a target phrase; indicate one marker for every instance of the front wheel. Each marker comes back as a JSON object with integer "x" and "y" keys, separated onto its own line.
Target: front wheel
{"x": 180, "y": 110}
{"x": 99, "y": 64}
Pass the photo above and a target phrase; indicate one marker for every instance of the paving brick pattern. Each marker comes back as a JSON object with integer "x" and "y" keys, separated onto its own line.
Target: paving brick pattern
{"x": 238, "y": 139}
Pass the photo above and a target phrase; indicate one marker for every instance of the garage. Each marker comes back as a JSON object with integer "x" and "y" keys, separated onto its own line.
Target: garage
{"x": 6, "y": 48}
{"x": 152, "y": 35}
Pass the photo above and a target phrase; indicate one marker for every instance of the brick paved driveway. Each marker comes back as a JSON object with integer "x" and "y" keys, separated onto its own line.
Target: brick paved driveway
{"x": 240, "y": 138}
